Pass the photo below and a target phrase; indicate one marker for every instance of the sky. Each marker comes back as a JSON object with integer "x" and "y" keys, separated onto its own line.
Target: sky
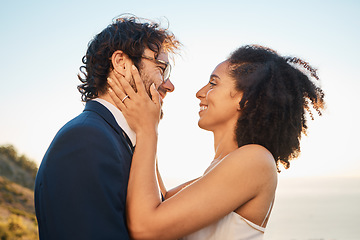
{"x": 42, "y": 43}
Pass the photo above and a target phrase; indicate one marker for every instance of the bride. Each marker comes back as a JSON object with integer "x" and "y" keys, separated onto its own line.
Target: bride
{"x": 255, "y": 104}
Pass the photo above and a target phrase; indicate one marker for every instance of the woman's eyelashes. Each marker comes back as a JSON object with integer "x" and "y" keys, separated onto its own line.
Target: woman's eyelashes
{"x": 212, "y": 84}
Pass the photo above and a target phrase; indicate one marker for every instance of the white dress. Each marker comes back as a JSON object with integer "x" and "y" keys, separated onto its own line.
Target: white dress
{"x": 231, "y": 227}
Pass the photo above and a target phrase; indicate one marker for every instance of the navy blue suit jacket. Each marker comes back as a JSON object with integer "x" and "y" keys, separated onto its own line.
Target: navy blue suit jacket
{"x": 81, "y": 185}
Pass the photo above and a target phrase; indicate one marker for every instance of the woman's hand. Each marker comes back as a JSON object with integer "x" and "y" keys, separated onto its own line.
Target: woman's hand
{"x": 141, "y": 112}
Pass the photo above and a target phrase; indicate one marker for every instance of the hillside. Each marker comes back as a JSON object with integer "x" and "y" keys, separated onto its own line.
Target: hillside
{"x": 17, "y": 212}
{"x": 18, "y": 169}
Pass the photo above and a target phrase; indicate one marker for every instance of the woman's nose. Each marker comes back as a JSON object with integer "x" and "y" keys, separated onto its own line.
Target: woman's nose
{"x": 201, "y": 93}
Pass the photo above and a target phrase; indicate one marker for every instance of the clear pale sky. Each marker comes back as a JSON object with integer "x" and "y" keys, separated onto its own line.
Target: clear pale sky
{"x": 42, "y": 43}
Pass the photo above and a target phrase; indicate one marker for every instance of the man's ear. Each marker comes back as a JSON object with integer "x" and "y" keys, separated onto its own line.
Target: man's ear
{"x": 118, "y": 60}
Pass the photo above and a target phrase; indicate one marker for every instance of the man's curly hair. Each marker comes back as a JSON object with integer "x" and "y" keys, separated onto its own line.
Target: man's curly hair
{"x": 276, "y": 97}
{"x": 129, "y": 34}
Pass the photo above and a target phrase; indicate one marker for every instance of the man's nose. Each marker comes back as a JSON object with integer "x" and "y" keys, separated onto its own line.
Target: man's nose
{"x": 168, "y": 86}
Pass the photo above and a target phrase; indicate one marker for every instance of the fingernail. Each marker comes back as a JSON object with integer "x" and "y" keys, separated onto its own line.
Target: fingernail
{"x": 153, "y": 85}
{"x": 133, "y": 67}
{"x": 109, "y": 79}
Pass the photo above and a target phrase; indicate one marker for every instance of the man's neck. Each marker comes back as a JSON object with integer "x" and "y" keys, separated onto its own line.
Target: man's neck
{"x": 107, "y": 98}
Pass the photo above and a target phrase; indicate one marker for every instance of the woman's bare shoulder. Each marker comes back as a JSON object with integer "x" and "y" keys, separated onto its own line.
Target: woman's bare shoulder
{"x": 252, "y": 157}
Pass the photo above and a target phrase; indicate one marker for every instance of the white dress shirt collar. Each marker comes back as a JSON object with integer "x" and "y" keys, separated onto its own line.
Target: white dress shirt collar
{"x": 120, "y": 119}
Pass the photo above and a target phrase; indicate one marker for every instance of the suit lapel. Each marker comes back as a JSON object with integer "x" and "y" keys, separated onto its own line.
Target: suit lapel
{"x": 102, "y": 111}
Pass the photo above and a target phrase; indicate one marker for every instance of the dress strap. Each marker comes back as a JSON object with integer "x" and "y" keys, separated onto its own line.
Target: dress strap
{"x": 267, "y": 215}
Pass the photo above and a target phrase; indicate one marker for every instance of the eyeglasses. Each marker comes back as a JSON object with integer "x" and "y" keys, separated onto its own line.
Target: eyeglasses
{"x": 166, "y": 71}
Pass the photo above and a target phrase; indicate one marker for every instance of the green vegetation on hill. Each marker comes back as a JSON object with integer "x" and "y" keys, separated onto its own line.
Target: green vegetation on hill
{"x": 19, "y": 169}
{"x": 17, "y": 212}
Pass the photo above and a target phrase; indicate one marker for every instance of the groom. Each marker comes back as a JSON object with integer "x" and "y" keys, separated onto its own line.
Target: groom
{"x": 81, "y": 185}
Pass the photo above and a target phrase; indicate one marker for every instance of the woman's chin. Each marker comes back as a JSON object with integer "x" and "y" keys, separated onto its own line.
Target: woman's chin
{"x": 202, "y": 125}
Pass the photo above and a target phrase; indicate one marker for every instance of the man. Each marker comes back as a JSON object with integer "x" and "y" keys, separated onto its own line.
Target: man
{"x": 81, "y": 185}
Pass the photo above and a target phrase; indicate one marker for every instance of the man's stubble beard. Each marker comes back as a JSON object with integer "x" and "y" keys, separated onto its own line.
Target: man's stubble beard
{"x": 147, "y": 83}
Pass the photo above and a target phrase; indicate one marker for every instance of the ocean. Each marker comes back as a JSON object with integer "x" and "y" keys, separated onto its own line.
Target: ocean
{"x": 315, "y": 209}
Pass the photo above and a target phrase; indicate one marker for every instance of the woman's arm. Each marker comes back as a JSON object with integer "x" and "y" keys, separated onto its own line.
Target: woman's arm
{"x": 237, "y": 179}
{"x": 160, "y": 181}
{"x": 216, "y": 194}
{"x": 167, "y": 194}
{"x": 175, "y": 190}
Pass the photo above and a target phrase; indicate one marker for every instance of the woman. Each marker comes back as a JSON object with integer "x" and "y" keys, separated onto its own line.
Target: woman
{"x": 255, "y": 104}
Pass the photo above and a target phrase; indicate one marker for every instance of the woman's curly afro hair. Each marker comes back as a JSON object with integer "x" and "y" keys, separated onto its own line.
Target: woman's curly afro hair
{"x": 277, "y": 95}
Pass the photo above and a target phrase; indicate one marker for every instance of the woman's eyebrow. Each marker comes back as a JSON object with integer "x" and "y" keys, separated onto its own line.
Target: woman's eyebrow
{"x": 214, "y": 76}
